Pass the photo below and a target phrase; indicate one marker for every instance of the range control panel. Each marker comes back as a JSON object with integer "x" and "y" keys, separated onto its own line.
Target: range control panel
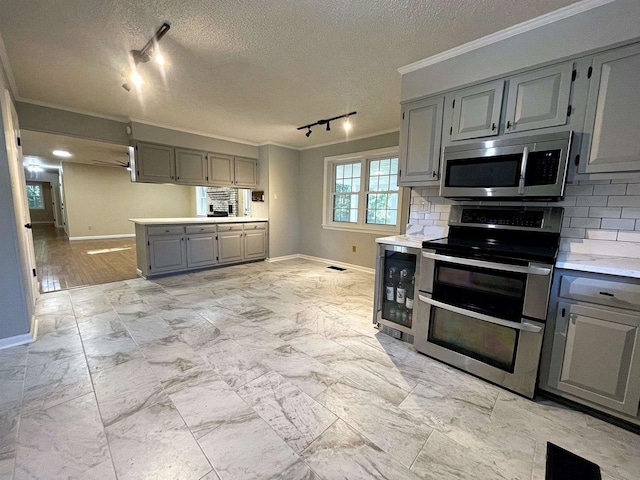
{"x": 508, "y": 218}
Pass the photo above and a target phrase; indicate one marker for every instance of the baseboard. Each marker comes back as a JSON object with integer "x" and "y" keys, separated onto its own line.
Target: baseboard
{"x": 338, "y": 264}
{"x": 102, "y": 237}
{"x": 21, "y": 339}
{"x": 282, "y": 258}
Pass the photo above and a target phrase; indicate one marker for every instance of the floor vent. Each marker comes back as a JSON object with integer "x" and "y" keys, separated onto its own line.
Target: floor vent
{"x": 340, "y": 269}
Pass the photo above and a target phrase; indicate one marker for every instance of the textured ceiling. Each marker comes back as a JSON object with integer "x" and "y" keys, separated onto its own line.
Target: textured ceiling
{"x": 247, "y": 70}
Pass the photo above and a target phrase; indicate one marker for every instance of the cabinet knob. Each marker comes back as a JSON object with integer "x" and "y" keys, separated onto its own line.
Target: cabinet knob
{"x": 433, "y": 174}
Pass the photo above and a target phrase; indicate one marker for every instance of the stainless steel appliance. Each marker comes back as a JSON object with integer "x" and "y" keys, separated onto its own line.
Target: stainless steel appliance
{"x": 526, "y": 167}
{"x": 396, "y": 290}
{"x": 484, "y": 292}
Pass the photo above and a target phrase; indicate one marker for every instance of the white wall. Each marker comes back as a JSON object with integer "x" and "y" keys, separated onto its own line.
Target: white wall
{"x": 600, "y": 27}
{"x": 100, "y": 200}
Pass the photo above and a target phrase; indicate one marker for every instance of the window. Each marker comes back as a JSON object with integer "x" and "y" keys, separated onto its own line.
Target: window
{"x": 34, "y": 196}
{"x": 201, "y": 201}
{"x": 361, "y": 191}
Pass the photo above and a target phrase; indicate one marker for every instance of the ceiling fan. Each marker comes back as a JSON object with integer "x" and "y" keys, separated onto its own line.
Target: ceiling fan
{"x": 116, "y": 163}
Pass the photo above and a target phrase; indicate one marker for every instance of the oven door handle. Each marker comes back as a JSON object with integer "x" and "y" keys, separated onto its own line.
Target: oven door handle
{"x": 527, "y": 327}
{"x": 489, "y": 265}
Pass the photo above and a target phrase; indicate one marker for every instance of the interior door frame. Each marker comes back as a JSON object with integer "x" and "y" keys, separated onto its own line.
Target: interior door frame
{"x": 21, "y": 208}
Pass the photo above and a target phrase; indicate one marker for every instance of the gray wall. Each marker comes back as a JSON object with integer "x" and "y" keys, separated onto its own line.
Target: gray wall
{"x": 52, "y": 120}
{"x": 14, "y": 319}
{"x": 597, "y": 28}
{"x": 333, "y": 244}
{"x": 284, "y": 212}
{"x": 150, "y": 133}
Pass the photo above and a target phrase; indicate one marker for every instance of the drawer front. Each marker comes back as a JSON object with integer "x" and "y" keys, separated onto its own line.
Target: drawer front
{"x": 255, "y": 226}
{"x": 601, "y": 292}
{"x": 201, "y": 229}
{"x": 165, "y": 230}
{"x": 234, "y": 227}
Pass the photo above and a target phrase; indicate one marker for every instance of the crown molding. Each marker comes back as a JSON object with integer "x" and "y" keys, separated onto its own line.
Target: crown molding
{"x": 283, "y": 145}
{"x": 72, "y": 110}
{"x": 541, "y": 21}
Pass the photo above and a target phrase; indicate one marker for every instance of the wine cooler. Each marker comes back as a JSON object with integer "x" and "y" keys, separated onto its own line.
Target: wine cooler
{"x": 395, "y": 290}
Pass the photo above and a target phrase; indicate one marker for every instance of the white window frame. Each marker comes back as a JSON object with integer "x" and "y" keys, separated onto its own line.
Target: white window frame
{"x": 329, "y": 180}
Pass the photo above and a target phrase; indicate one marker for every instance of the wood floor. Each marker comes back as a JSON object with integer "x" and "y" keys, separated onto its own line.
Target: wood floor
{"x": 62, "y": 264}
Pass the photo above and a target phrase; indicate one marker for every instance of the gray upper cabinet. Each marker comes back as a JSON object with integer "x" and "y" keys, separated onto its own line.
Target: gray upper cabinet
{"x": 476, "y": 111}
{"x": 154, "y": 163}
{"x": 420, "y": 138}
{"x": 191, "y": 167}
{"x": 221, "y": 169}
{"x": 539, "y": 99}
{"x": 611, "y": 141}
{"x": 245, "y": 172}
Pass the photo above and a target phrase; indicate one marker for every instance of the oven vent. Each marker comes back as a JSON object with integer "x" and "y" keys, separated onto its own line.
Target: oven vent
{"x": 333, "y": 267}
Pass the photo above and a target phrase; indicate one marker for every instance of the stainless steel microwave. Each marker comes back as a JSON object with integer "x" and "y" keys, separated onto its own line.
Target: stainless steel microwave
{"x": 533, "y": 167}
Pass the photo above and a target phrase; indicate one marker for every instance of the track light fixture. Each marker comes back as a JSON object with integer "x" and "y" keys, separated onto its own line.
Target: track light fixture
{"x": 148, "y": 52}
{"x": 327, "y": 122}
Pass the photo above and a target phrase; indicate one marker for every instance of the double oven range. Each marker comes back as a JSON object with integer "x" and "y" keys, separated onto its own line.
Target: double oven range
{"x": 483, "y": 292}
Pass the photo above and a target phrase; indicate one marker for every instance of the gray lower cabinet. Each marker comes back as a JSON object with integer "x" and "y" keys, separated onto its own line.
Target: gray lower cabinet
{"x": 191, "y": 167}
{"x": 167, "y": 253}
{"x": 255, "y": 241}
{"x": 202, "y": 250}
{"x": 613, "y": 113}
{"x": 476, "y": 111}
{"x": 162, "y": 249}
{"x": 539, "y": 99}
{"x": 231, "y": 246}
{"x": 420, "y": 137}
{"x": 153, "y": 163}
{"x": 592, "y": 345}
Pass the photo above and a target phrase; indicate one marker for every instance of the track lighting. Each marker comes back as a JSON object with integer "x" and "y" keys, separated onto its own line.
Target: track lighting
{"x": 149, "y": 51}
{"x": 327, "y": 122}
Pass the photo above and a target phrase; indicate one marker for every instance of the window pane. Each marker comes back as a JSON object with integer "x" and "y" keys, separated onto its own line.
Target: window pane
{"x": 356, "y": 185}
{"x": 373, "y": 167}
{"x": 391, "y": 218}
{"x": 373, "y": 183}
{"x": 354, "y": 216}
{"x": 384, "y": 183}
{"x": 347, "y": 170}
{"x": 354, "y": 201}
{"x": 356, "y": 170}
{"x": 385, "y": 165}
{"x": 339, "y": 171}
{"x": 393, "y": 182}
{"x": 394, "y": 165}
{"x": 34, "y": 197}
{"x": 392, "y": 201}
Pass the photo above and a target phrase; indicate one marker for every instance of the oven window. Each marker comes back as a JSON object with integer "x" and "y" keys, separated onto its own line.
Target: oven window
{"x": 487, "y": 342}
{"x": 484, "y": 172}
{"x": 492, "y": 292}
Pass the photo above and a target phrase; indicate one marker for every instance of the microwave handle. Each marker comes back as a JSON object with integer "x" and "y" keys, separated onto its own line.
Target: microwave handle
{"x": 526, "y": 327}
{"x": 523, "y": 170}
{"x": 489, "y": 265}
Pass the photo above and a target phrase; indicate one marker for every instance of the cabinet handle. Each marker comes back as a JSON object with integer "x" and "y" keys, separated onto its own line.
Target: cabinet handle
{"x": 493, "y": 126}
{"x": 433, "y": 174}
{"x": 607, "y": 294}
{"x": 564, "y": 311}
{"x": 508, "y": 125}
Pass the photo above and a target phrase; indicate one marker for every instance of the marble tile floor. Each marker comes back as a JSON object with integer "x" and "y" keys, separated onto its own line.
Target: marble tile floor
{"x": 263, "y": 371}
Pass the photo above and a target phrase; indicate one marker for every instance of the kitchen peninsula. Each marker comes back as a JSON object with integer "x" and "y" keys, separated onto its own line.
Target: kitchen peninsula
{"x": 170, "y": 245}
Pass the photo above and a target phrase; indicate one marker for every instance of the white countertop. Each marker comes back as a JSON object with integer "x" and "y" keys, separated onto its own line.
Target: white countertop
{"x": 191, "y": 220}
{"x": 412, "y": 241}
{"x": 583, "y": 262}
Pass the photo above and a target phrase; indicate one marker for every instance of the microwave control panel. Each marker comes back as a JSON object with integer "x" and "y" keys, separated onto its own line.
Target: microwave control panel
{"x": 542, "y": 168}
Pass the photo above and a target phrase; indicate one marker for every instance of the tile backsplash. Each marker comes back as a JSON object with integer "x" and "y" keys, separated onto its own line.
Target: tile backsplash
{"x": 600, "y": 216}
{"x": 222, "y": 198}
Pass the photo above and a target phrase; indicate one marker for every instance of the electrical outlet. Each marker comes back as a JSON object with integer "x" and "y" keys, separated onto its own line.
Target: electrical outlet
{"x": 353, "y": 249}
